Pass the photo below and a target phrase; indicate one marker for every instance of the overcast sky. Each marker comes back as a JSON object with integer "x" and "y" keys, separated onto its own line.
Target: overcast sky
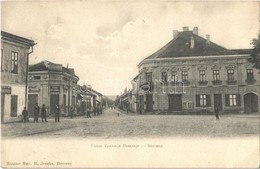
{"x": 105, "y": 40}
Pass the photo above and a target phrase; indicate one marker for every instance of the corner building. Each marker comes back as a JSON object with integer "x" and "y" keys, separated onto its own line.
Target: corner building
{"x": 192, "y": 74}
{"x": 51, "y": 84}
{"x": 15, "y": 51}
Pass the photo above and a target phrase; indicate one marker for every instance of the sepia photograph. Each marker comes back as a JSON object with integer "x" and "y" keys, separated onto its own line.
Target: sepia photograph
{"x": 130, "y": 84}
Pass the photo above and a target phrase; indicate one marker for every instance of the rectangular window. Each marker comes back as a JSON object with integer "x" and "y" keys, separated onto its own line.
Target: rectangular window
{"x": 2, "y": 60}
{"x": 174, "y": 76}
{"x": 230, "y": 74}
{"x": 203, "y": 100}
{"x": 184, "y": 76}
{"x": 216, "y": 75}
{"x": 164, "y": 77}
{"x": 250, "y": 74}
{"x": 14, "y": 62}
{"x": 202, "y": 75}
{"x": 149, "y": 77}
{"x": 232, "y": 99}
{"x": 37, "y": 77}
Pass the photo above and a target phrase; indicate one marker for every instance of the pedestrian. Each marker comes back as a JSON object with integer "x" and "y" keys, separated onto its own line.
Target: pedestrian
{"x": 57, "y": 113}
{"x": 88, "y": 113}
{"x": 71, "y": 112}
{"x": 36, "y": 111}
{"x": 217, "y": 113}
{"x": 25, "y": 115}
{"x": 94, "y": 110}
{"x": 44, "y": 113}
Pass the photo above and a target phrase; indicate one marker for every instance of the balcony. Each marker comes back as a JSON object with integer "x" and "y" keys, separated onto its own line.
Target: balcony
{"x": 250, "y": 81}
{"x": 231, "y": 82}
{"x": 203, "y": 83}
{"x": 186, "y": 83}
{"x": 217, "y": 82}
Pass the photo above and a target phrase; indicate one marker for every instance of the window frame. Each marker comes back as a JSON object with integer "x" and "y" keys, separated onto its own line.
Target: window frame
{"x": 230, "y": 74}
{"x": 216, "y": 75}
{"x": 148, "y": 77}
{"x": 14, "y": 62}
{"x": 164, "y": 77}
{"x": 174, "y": 76}
{"x": 184, "y": 76}
{"x": 249, "y": 74}
{"x": 202, "y": 75}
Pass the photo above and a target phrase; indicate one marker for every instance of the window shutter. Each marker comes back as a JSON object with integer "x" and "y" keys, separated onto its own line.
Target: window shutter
{"x": 208, "y": 100}
{"x": 197, "y": 100}
{"x": 238, "y": 100}
{"x": 227, "y": 99}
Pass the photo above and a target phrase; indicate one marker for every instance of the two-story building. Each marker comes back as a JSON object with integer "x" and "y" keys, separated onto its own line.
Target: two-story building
{"x": 15, "y": 52}
{"x": 51, "y": 84}
{"x": 193, "y": 74}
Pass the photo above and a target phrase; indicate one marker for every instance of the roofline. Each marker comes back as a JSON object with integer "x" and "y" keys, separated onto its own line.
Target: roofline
{"x": 192, "y": 57}
{"x": 11, "y": 37}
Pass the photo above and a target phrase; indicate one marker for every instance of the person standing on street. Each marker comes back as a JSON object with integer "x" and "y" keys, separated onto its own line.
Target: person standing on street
{"x": 36, "y": 111}
{"x": 71, "y": 112}
{"x": 217, "y": 113}
{"x": 88, "y": 113}
{"x": 25, "y": 115}
{"x": 43, "y": 111}
{"x": 57, "y": 113}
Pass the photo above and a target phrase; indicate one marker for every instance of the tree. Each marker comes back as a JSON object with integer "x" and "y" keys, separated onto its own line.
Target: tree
{"x": 255, "y": 55}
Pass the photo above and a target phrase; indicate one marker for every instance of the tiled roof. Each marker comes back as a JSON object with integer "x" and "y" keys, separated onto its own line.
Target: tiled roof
{"x": 180, "y": 46}
{"x": 47, "y": 65}
{"x": 18, "y": 39}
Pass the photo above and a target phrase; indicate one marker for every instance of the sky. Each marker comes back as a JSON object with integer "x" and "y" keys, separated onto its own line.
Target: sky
{"x": 104, "y": 41}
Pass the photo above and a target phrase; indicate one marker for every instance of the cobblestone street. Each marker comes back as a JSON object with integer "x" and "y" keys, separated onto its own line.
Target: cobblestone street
{"x": 117, "y": 124}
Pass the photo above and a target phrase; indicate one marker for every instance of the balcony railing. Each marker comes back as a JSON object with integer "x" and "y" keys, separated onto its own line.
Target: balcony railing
{"x": 231, "y": 82}
{"x": 250, "y": 81}
{"x": 203, "y": 83}
{"x": 216, "y": 82}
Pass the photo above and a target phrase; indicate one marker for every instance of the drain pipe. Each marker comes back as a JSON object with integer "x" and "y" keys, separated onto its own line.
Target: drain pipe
{"x": 26, "y": 79}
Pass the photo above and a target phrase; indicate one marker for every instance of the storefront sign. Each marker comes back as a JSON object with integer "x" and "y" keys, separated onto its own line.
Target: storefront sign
{"x": 55, "y": 89}
{"x": 6, "y": 90}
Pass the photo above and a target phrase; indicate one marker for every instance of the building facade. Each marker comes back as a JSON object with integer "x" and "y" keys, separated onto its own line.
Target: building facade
{"x": 52, "y": 84}
{"x": 192, "y": 74}
{"x": 15, "y": 51}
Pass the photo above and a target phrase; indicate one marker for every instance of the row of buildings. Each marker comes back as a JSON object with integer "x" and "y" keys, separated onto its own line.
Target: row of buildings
{"x": 193, "y": 74}
{"x": 24, "y": 85}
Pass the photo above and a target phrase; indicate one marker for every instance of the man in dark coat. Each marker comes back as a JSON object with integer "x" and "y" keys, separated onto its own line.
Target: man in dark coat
{"x": 71, "y": 112}
{"x": 43, "y": 111}
{"x": 36, "y": 111}
{"x": 25, "y": 115}
{"x": 88, "y": 112}
{"x": 57, "y": 113}
{"x": 217, "y": 113}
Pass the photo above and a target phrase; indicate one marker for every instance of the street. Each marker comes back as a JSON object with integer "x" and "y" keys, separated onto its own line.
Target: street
{"x": 118, "y": 124}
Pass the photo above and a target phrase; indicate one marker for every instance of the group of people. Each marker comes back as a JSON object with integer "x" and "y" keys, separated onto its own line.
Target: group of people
{"x": 96, "y": 111}
{"x": 36, "y": 112}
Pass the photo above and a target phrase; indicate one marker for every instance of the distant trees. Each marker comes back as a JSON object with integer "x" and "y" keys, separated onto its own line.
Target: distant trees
{"x": 255, "y": 55}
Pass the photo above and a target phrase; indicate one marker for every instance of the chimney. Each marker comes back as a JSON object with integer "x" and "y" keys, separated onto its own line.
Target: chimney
{"x": 175, "y": 33}
{"x": 185, "y": 28}
{"x": 192, "y": 44}
{"x": 196, "y": 30}
{"x": 207, "y": 39}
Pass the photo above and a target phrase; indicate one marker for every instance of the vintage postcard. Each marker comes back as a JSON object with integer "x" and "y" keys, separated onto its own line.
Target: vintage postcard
{"x": 130, "y": 84}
